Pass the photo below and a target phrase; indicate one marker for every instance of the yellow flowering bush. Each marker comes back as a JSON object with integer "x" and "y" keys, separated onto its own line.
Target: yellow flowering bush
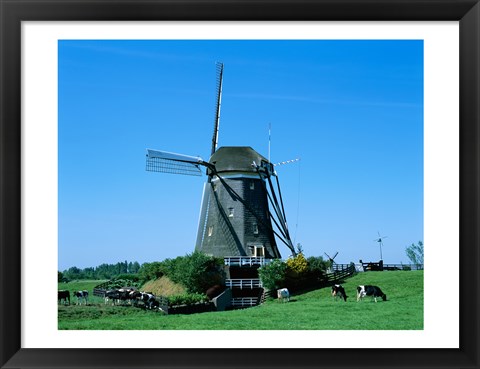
{"x": 298, "y": 265}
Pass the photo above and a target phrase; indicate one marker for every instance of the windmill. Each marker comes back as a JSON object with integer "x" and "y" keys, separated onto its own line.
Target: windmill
{"x": 380, "y": 242}
{"x": 331, "y": 259}
{"x": 240, "y": 203}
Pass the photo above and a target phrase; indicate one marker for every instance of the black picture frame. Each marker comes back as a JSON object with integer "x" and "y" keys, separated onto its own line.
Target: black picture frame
{"x": 13, "y": 12}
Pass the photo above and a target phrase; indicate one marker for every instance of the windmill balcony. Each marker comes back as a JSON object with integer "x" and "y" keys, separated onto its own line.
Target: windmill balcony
{"x": 247, "y": 261}
{"x": 244, "y": 301}
{"x": 244, "y": 283}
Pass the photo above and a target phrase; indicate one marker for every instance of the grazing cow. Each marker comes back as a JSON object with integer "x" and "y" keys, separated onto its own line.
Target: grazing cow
{"x": 125, "y": 294}
{"x": 149, "y": 300}
{"x": 283, "y": 294}
{"x": 339, "y": 292}
{"x": 122, "y": 295}
{"x": 112, "y": 295}
{"x": 65, "y": 296}
{"x": 134, "y": 297}
{"x": 368, "y": 290}
{"x": 81, "y": 295}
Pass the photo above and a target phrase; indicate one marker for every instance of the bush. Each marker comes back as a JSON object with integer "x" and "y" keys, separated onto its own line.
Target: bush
{"x": 128, "y": 277}
{"x": 196, "y": 272}
{"x": 297, "y": 265}
{"x": 273, "y": 275}
{"x": 117, "y": 283}
{"x": 149, "y": 271}
{"x": 187, "y": 299}
{"x": 317, "y": 265}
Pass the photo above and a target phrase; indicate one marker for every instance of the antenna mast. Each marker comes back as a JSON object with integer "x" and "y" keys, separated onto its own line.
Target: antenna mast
{"x": 217, "y": 106}
{"x": 269, "y": 133}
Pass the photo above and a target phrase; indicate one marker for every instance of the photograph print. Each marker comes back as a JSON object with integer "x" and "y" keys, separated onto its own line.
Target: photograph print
{"x": 240, "y": 184}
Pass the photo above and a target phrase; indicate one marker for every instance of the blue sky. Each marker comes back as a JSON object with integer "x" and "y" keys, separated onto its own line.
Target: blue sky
{"x": 351, "y": 110}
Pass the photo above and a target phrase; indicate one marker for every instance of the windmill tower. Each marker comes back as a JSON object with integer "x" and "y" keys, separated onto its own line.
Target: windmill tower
{"x": 242, "y": 212}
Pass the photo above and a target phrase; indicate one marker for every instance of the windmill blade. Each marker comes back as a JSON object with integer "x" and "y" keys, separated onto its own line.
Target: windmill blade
{"x": 168, "y": 162}
{"x": 334, "y": 256}
{"x": 286, "y": 162}
{"x": 202, "y": 219}
{"x": 218, "y": 103}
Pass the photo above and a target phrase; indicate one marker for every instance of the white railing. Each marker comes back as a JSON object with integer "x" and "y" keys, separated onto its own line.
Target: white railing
{"x": 243, "y": 283}
{"x": 246, "y": 261}
{"x": 244, "y": 301}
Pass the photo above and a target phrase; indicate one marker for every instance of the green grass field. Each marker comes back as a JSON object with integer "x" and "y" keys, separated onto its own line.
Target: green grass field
{"x": 314, "y": 310}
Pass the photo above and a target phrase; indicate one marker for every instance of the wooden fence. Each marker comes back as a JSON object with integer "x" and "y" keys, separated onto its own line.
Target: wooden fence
{"x": 380, "y": 266}
{"x": 340, "y": 272}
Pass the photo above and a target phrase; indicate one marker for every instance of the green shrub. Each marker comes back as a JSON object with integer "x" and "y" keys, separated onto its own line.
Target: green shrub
{"x": 150, "y": 271}
{"x": 128, "y": 277}
{"x": 187, "y": 299}
{"x": 196, "y": 272}
{"x": 317, "y": 265}
{"x": 273, "y": 275}
{"x": 117, "y": 283}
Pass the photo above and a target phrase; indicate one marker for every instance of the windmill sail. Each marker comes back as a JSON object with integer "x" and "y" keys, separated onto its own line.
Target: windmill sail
{"x": 218, "y": 103}
{"x": 167, "y": 162}
{"x": 239, "y": 202}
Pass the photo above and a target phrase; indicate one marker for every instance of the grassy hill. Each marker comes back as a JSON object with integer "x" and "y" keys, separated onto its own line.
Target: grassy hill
{"x": 314, "y": 310}
{"x": 163, "y": 286}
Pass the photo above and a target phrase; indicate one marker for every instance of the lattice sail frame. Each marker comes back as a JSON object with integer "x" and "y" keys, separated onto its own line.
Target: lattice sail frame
{"x": 167, "y": 162}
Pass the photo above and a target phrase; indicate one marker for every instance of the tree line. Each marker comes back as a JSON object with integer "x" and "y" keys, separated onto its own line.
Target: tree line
{"x": 103, "y": 271}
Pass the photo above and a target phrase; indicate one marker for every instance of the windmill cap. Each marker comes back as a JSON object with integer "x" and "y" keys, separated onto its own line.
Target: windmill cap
{"x": 236, "y": 159}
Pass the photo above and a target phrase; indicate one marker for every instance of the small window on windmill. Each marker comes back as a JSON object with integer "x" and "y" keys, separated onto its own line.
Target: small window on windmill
{"x": 255, "y": 228}
{"x": 230, "y": 212}
{"x": 259, "y": 251}
{"x": 252, "y": 185}
{"x": 210, "y": 231}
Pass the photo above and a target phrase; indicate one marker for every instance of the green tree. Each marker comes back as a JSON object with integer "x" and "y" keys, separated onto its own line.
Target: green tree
{"x": 134, "y": 268}
{"x": 151, "y": 271}
{"x": 196, "y": 272}
{"x": 73, "y": 273}
{"x": 316, "y": 264}
{"x": 273, "y": 274}
{"x": 415, "y": 253}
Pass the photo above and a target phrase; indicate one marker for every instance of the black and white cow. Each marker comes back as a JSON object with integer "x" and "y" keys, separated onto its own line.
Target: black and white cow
{"x": 339, "y": 292}
{"x": 81, "y": 295}
{"x": 149, "y": 300}
{"x": 65, "y": 296}
{"x": 283, "y": 294}
{"x": 135, "y": 297}
{"x": 112, "y": 295}
{"x": 125, "y": 295}
{"x": 373, "y": 291}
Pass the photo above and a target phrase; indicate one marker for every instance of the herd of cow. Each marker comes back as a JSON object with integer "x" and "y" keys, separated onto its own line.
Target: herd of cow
{"x": 64, "y": 297}
{"x": 338, "y": 292}
{"x": 364, "y": 290}
{"x": 149, "y": 301}
{"x": 122, "y": 296}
